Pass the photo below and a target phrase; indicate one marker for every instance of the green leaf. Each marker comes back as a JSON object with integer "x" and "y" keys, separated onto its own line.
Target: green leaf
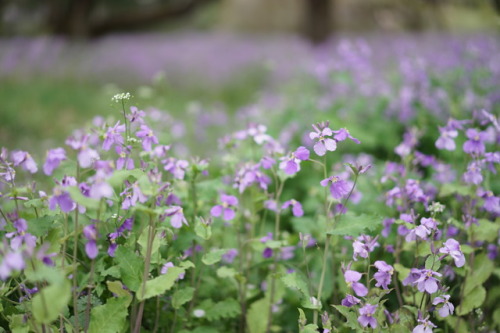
{"x": 80, "y": 199}
{"x": 228, "y": 308}
{"x": 116, "y": 287}
{"x": 311, "y": 328}
{"x": 50, "y": 302}
{"x": 472, "y": 300}
{"x": 131, "y": 267}
{"x": 482, "y": 270}
{"x": 213, "y": 256}
{"x": 17, "y": 324}
{"x": 453, "y": 188}
{"x": 202, "y": 230}
{"x": 295, "y": 281}
{"x": 159, "y": 285}
{"x": 398, "y": 328}
{"x": 355, "y": 225}
{"x": 402, "y": 271}
{"x": 182, "y": 296}
{"x": 110, "y": 317}
{"x": 350, "y": 315}
{"x": 485, "y": 231}
{"x": 119, "y": 176}
{"x": 432, "y": 262}
{"x": 257, "y": 316}
{"x": 143, "y": 242}
{"x": 40, "y": 226}
{"x": 226, "y": 272}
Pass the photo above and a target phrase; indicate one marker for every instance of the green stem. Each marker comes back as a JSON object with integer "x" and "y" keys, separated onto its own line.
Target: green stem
{"x": 89, "y": 295}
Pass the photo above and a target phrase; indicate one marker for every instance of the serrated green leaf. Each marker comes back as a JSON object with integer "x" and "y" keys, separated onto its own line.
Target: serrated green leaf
{"x": 432, "y": 262}
{"x": 186, "y": 264}
{"x": 454, "y": 188}
{"x": 113, "y": 271}
{"x": 159, "y": 285}
{"x": 228, "y": 308}
{"x": 213, "y": 256}
{"x": 110, "y": 317}
{"x": 472, "y": 300}
{"x": 355, "y": 225}
{"x": 50, "y": 302}
{"x": 350, "y": 315}
{"x": 18, "y": 324}
{"x": 119, "y": 176}
{"x": 296, "y": 281}
{"x": 40, "y": 226}
{"x": 182, "y": 296}
{"x": 131, "y": 267}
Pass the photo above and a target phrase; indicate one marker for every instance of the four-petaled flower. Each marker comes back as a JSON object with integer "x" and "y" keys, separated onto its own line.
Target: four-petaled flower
{"x": 291, "y": 164}
{"x": 452, "y": 247}
{"x": 352, "y": 278}
{"x": 113, "y": 136}
{"x": 338, "y": 186}
{"x": 324, "y": 142}
{"x": 147, "y": 136}
{"x": 447, "y": 308}
{"x": 177, "y": 216}
{"x": 90, "y": 233}
{"x": 296, "y": 207}
{"x": 366, "y": 315}
{"x": 227, "y": 208}
{"x": 384, "y": 274}
{"x": 53, "y": 159}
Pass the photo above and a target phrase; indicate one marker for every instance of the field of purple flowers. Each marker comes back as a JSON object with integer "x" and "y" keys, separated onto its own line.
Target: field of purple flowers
{"x": 359, "y": 191}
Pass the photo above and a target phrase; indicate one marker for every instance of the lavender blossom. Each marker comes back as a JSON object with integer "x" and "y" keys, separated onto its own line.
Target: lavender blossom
{"x": 226, "y": 209}
{"x": 296, "y": 207}
{"x": 338, "y": 187}
{"x": 177, "y": 216}
{"x": 352, "y": 278}
{"x": 113, "y": 136}
{"x": 90, "y": 233}
{"x": 452, "y": 248}
{"x": 147, "y": 136}
{"x": 324, "y": 143}
{"x": 366, "y": 315}
{"x": 384, "y": 274}
{"x": 53, "y": 159}
{"x": 25, "y": 160}
{"x": 447, "y": 307}
{"x": 475, "y": 143}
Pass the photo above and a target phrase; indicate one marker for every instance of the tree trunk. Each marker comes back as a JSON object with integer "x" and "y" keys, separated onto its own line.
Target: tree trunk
{"x": 318, "y": 21}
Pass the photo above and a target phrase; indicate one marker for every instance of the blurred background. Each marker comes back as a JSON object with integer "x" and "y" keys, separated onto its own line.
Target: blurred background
{"x": 62, "y": 60}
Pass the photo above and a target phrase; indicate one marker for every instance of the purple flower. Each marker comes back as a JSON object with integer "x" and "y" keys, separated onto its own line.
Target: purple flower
{"x": 12, "y": 261}
{"x": 387, "y": 223}
{"x": 366, "y": 316}
{"x": 136, "y": 115}
{"x": 113, "y": 136}
{"x": 291, "y": 164}
{"x": 229, "y": 256}
{"x": 425, "y": 326}
{"x": 229, "y": 202}
{"x": 176, "y": 167}
{"x": 248, "y": 175}
{"x": 447, "y": 308}
{"x": 475, "y": 143}
{"x": 350, "y": 300}
{"x": 473, "y": 174}
{"x": 352, "y": 278}
{"x": 324, "y": 143}
{"x": 132, "y": 194}
{"x": 491, "y": 203}
{"x": 86, "y": 156}
{"x": 427, "y": 282}
{"x": 62, "y": 198}
{"x": 364, "y": 245}
{"x": 126, "y": 225}
{"x": 177, "y": 216}
{"x": 384, "y": 274}
{"x": 165, "y": 267}
{"x": 343, "y": 134}
{"x": 90, "y": 233}
{"x": 452, "y": 247}
{"x": 20, "y": 237}
{"x": 338, "y": 187}
{"x": 53, "y": 159}
{"x": 25, "y": 160}
{"x": 446, "y": 139}
{"x": 296, "y": 207}
{"x": 147, "y": 136}
{"x": 267, "y": 253}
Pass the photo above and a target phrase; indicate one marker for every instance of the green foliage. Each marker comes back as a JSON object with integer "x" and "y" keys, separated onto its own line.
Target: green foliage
{"x": 50, "y": 302}
{"x": 110, "y": 317}
{"x": 131, "y": 267}
{"x": 257, "y": 316}
{"x": 355, "y": 225}
{"x": 213, "y": 256}
{"x": 159, "y": 285}
{"x": 182, "y": 296}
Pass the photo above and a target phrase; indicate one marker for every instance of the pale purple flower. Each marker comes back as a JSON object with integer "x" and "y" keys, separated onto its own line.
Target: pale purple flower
{"x": 287, "y": 252}
{"x": 53, "y": 159}
{"x": 248, "y": 175}
{"x": 343, "y": 134}
{"x": 267, "y": 162}
{"x": 363, "y": 246}
{"x": 324, "y": 142}
{"x": 475, "y": 143}
{"x": 229, "y": 256}
{"x": 20, "y": 237}
{"x": 132, "y": 194}
{"x": 350, "y": 300}
{"x": 291, "y": 164}
{"x": 366, "y": 315}
{"x": 113, "y": 136}
{"x": 296, "y": 207}
{"x": 446, "y": 139}
{"x": 177, "y": 216}
{"x": 425, "y": 326}
{"x": 165, "y": 267}
{"x": 147, "y": 136}
{"x": 384, "y": 274}
{"x": 491, "y": 159}
{"x": 447, "y": 308}
{"x": 452, "y": 247}
{"x": 126, "y": 225}
{"x": 271, "y": 205}
{"x": 491, "y": 203}
{"x": 338, "y": 187}
{"x": 90, "y": 233}
{"x": 25, "y": 160}
{"x": 12, "y": 261}
{"x": 427, "y": 282}
{"x": 473, "y": 174}
{"x": 352, "y": 278}
{"x": 136, "y": 115}
{"x": 62, "y": 198}
{"x": 226, "y": 209}
{"x": 176, "y": 167}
